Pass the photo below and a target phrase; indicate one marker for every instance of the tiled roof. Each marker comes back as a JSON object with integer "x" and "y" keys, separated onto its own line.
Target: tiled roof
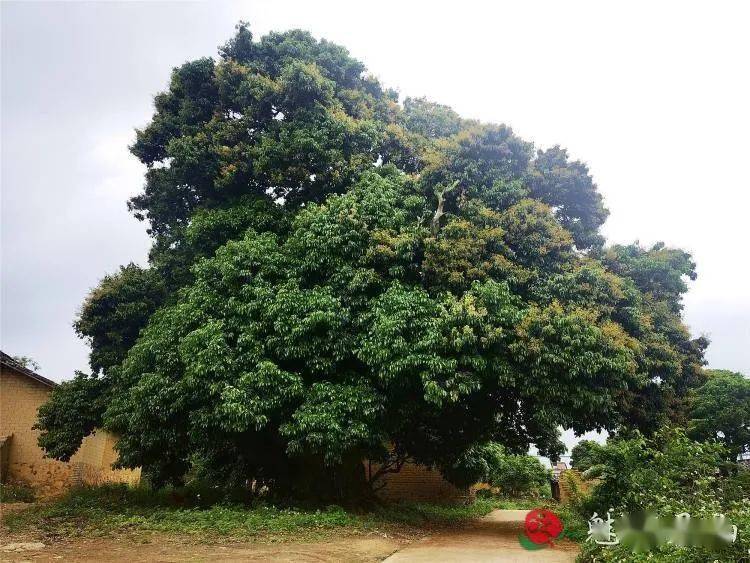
{"x": 10, "y": 363}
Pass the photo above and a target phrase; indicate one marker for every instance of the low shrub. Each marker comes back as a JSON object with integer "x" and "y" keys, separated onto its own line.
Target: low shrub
{"x": 512, "y": 474}
{"x": 584, "y": 454}
{"x": 114, "y": 508}
{"x": 668, "y": 474}
{"x": 16, "y": 493}
{"x": 517, "y": 475}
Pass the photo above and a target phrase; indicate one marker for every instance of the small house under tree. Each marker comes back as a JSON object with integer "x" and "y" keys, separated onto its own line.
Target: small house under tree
{"x": 22, "y": 461}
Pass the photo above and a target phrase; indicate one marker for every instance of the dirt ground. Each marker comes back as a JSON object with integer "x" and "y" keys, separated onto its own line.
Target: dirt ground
{"x": 162, "y": 548}
{"x": 492, "y": 538}
{"x": 170, "y": 549}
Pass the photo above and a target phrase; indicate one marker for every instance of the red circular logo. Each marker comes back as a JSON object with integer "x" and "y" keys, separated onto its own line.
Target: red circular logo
{"x": 542, "y": 526}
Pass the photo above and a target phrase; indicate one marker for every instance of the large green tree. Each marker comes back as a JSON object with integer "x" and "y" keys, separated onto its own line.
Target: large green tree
{"x": 720, "y": 410}
{"x": 338, "y": 276}
{"x": 584, "y": 454}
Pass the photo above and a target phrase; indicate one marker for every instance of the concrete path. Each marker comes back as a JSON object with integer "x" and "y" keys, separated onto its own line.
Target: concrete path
{"x": 493, "y": 538}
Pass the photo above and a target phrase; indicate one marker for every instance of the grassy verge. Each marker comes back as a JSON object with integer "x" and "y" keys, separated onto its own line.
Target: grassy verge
{"x": 15, "y": 493}
{"x": 576, "y": 527}
{"x": 104, "y": 511}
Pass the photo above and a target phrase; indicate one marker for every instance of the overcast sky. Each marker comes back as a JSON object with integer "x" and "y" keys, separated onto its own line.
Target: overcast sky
{"x": 653, "y": 96}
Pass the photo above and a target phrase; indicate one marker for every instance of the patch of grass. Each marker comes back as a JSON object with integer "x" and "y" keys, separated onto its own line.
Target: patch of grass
{"x": 119, "y": 509}
{"x": 576, "y": 527}
{"x": 430, "y": 515}
{"x": 529, "y": 503}
{"x": 15, "y": 493}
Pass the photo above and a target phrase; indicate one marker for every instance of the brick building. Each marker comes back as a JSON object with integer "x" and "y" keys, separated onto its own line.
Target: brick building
{"x": 414, "y": 482}
{"x": 417, "y": 483}
{"x": 22, "y": 392}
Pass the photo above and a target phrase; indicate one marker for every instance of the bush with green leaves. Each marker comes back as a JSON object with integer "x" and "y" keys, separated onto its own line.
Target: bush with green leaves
{"x": 516, "y": 475}
{"x": 720, "y": 410}
{"x": 337, "y": 276}
{"x": 16, "y": 493}
{"x": 668, "y": 474}
{"x": 119, "y": 509}
{"x": 520, "y": 475}
{"x": 584, "y": 454}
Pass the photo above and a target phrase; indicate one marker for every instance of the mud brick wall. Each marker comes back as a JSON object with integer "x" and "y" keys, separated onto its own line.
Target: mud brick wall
{"x": 573, "y": 485}
{"x": 416, "y": 483}
{"x": 20, "y": 398}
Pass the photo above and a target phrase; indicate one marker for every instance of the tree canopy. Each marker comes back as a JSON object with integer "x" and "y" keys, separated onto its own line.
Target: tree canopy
{"x": 584, "y": 455}
{"x": 513, "y": 474}
{"x": 720, "y": 410}
{"x": 336, "y": 276}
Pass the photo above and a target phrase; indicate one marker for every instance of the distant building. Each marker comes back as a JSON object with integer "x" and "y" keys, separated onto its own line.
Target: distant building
{"x": 558, "y": 468}
{"x": 22, "y": 461}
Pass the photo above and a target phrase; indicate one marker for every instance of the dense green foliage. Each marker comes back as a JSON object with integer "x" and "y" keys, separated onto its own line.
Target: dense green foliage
{"x": 337, "y": 276}
{"x": 518, "y": 475}
{"x": 117, "y": 509}
{"x": 514, "y": 475}
{"x": 115, "y": 311}
{"x": 72, "y": 414}
{"x": 668, "y": 474}
{"x": 721, "y": 411}
{"x": 584, "y": 454}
